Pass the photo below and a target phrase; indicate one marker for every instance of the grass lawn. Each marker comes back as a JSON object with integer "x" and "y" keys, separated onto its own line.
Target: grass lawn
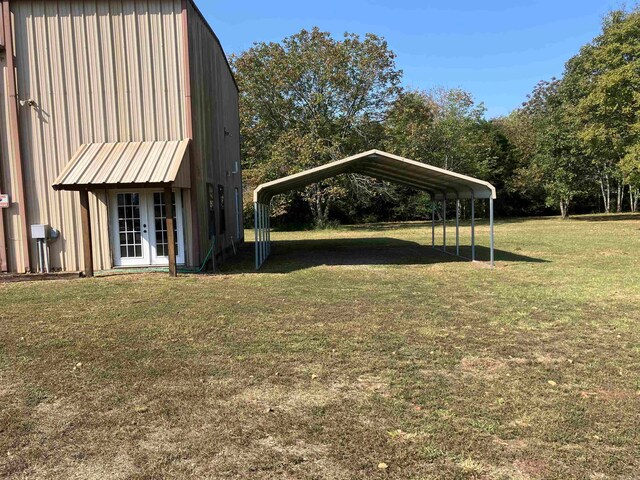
{"x": 354, "y": 353}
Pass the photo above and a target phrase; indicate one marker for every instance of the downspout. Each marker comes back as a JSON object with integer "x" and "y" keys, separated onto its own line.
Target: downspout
{"x": 195, "y": 176}
{"x": 14, "y": 132}
{"x": 4, "y": 267}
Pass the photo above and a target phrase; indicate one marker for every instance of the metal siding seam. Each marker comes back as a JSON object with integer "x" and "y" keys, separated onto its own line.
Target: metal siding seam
{"x": 75, "y": 125}
{"x": 110, "y": 55}
{"x": 99, "y": 89}
{"x": 60, "y": 145}
{"x": 136, "y": 94}
{"x": 120, "y": 70}
{"x": 162, "y": 88}
{"x": 40, "y": 161}
{"x": 146, "y": 79}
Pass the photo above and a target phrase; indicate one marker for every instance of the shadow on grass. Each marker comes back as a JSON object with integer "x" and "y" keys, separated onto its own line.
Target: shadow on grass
{"x": 292, "y": 255}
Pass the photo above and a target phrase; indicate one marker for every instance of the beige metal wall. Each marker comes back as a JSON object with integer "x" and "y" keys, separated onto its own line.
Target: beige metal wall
{"x": 102, "y": 71}
{"x": 215, "y": 111}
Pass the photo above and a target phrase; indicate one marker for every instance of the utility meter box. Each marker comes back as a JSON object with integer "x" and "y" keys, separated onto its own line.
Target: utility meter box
{"x": 39, "y": 232}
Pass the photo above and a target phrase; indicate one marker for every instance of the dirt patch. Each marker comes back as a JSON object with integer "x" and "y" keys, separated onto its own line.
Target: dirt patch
{"x": 55, "y": 417}
{"x": 292, "y": 399}
{"x": 512, "y": 445}
{"x": 373, "y": 383}
{"x": 616, "y": 395}
{"x": 532, "y": 468}
{"x": 481, "y": 365}
{"x": 118, "y": 468}
{"x": 549, "y": 361}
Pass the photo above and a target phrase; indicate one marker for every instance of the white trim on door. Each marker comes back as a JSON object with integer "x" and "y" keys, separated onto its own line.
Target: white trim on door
{"x": 142, "y": 240}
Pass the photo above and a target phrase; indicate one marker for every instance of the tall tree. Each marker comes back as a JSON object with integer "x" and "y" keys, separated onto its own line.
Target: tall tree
{"x": 311, "y": 99}
{"x": 558, "y": 163}
{"x": 602, "y": 87}
{"x": 442, "y": 127}
{"x": 516, "y": 177}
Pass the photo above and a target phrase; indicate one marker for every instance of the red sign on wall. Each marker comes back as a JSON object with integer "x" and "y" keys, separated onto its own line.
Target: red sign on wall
{"x": 4, "y": 200}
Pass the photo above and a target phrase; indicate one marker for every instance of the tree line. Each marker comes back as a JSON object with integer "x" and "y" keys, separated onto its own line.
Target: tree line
{"x": 572, "y": 147}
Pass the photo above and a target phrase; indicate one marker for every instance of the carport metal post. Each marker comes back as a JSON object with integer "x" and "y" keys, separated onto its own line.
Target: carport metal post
{"x": 260, "y": 232}
{"x": 268, "y": 209}
{"x": 255, "y": 231}
{"x": 493, "y": 263}
{"x": 444, "y": 223}
{"x": 263, "y": 221}
{"x": 457, "y": 226}
{"x": 433, "y": 224}
{"x": 473, "y": 227}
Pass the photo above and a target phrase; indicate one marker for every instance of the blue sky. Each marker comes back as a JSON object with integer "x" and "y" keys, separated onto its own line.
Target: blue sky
{"x": 497, "y": 50}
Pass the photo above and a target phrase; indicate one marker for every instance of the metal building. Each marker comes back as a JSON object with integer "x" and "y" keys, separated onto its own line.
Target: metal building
{"x": 113, "y": 116}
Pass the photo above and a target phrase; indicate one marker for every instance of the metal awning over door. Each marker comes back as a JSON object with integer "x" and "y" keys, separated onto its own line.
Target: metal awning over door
{"x": 111, "y": 165}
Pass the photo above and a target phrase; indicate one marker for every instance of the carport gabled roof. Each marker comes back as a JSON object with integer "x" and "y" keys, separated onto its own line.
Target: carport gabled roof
{"x": 384, "y": 166}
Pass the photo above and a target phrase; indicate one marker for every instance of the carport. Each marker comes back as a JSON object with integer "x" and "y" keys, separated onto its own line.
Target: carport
{"x": 442, "y": 185}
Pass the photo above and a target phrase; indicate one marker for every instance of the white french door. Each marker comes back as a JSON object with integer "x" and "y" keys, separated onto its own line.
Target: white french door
{"x": 139, "y": 228}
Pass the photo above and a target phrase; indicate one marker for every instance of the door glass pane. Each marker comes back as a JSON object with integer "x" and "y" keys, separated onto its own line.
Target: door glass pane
{"x": 129, "y": 223}
{"x": 162, "y": 243}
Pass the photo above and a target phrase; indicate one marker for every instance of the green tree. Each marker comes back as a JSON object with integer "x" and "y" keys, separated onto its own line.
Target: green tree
{"x": 409, "y": 125}
{"x": 518, "y": 180}
{"x": 442, "y": 127}
{"x": 311, "y": 99}
{"x": 602, "y": 88}
{"x": 558, "y": 163}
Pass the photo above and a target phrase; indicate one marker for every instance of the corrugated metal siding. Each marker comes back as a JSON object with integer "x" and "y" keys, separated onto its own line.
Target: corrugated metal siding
{"x": 98, "y": 72}
{"x": 142, "y": 163}
{"x": 215, "y": 109}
